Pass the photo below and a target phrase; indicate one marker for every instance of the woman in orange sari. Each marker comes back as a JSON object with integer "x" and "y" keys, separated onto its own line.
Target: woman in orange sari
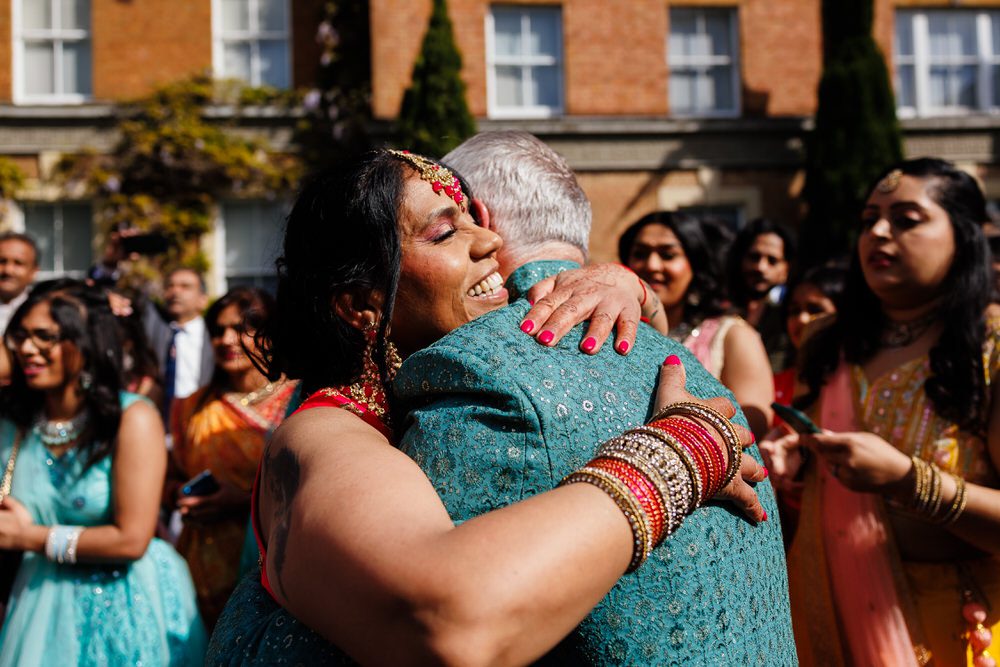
{"x": 222, "y": 428}
{"x": 896, "y": 560}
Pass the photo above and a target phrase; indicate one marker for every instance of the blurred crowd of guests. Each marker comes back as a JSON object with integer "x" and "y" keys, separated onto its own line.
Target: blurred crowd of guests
{"x": 917, "y": 345}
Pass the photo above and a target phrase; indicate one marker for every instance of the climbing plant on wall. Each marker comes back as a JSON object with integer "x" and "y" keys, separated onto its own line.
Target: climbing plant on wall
{"x": 172, "y": 164}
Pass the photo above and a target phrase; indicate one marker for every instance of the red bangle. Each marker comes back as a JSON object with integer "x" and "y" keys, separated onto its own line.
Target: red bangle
{"x": 642, "y": 489}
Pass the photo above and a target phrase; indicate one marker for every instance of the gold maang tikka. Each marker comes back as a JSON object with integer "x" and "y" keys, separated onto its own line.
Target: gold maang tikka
{"x": 440, "y": 178}
{"x": 889, "y": 184}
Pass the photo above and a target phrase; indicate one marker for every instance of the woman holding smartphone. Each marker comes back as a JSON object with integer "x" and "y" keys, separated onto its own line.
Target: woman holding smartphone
{"x": 84, "y": 463}
{"x": 901, "y": 507}
{"x": 219, "y": 434}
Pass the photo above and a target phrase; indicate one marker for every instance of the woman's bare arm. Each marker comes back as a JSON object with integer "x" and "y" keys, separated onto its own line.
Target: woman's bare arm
{"x": 137, "y": 472}
{"x": 747, "y": 372}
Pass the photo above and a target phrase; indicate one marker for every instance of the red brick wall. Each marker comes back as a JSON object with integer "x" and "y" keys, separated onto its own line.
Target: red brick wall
{"x": 615, "y": 53}
{"x": 142, "y": 44}
{"x": 6, "y": 37}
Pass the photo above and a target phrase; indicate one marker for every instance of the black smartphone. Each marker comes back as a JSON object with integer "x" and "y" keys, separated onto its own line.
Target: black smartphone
{"x": 202, "y": 484}
{"x": 144, "y": 244}
{"x": 796, "y": 419}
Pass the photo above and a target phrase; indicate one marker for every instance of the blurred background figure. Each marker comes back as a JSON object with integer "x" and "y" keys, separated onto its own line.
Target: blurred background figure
{"x": 815, "y": 295}
{"x": 992, "y": 231}
{"x": 18, "y": 266}
{"x": 222, "y": 428}
{"x": 906, "y": 377}
{"x": 88, "y": 459}
{"x": 181, "y": 341}
{"x": 759, "y": 264}
{"x": 672, "y": 253}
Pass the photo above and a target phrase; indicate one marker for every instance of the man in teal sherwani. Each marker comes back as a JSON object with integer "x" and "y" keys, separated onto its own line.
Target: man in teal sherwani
{"x": 494, "y": 417}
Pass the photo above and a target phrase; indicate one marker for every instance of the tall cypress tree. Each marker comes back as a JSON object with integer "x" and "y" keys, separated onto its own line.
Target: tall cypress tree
{"x": 856, "y": 133}
{"x": 435, "y": 117}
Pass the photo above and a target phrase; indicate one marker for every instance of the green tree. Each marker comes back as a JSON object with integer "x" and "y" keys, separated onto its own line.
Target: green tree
{"x": 856, "y": 133}
{"x": 435, "y": 117}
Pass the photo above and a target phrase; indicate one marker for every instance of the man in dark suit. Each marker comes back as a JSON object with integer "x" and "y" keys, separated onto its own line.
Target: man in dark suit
{"x": 182, "y": 343}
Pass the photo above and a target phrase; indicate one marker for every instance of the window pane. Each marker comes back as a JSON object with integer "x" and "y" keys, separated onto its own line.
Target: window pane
{"x": 271, "y": 15}
{"x": 509, "y": 87}
{"x": 951, "y": 34}
{"x": 36, "y": 14}
{"x": 39, "y": 223}
{"x": 235, "y": 15}
{"x": 952, "y": 86}
{"x": 38, "y": 68}
{"x": 76, "y": 237}
{"x": 683, "y": 26}
{"x": 543, "y": 32}
{"x": 76, "y": 67}
{"x": 253, "y": 234}
{"x": 903, "y": 45}
{"x": 274, "y": 63}
{"x": 995, "y": 31}
{"x": 681, "y": 91}
{"x": 717, "y": 31}
{"x": 236, "y": 62}
{"x": 721, "y": 89}
{"x": 905, "y": 91}
{"x": 544, "y": 86}
{"x": 507, "y": 32}
{"x": 996, "y": 85}
{"x": 75, "y": 14}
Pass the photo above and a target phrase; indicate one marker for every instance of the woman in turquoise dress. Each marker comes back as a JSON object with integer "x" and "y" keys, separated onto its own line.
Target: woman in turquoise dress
{"x": 94, "y": 587}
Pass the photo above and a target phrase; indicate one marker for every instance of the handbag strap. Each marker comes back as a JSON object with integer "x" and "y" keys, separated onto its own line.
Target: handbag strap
{"x": 8, "y": 473}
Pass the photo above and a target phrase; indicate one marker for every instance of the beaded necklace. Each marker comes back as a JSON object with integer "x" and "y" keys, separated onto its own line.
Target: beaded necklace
{"x": 57, "y": 432}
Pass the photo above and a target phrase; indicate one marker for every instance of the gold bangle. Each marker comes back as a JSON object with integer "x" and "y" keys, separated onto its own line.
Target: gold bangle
{"x": 622, "y": 496}
{"x": 957, "y": 504}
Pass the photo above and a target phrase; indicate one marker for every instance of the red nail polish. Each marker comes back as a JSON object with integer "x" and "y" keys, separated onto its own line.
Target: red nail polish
{"x": 765, "y": 516}
{"x": 546, "y": 337}
{"x": 766, "y": 471}
{"x": 672, "y": 360}
{"x": 589, "y": 344}
{"x": 527, "y": 326}
{"x": 623, "y": 346}
{"x": 531, "y": 302}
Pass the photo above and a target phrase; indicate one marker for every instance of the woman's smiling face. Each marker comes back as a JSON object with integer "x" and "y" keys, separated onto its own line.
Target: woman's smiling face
{"x": 449, "y": 274}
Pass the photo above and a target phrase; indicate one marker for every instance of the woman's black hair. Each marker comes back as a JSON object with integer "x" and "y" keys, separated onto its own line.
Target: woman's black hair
{"x": 85, "y": 320}
{"x": 706, "y": 295}
{"x": 342, "y": 235}
{"x": 741, "y": 245}
{"x": 256, "y": 306}
{"x": 956, "y": 386}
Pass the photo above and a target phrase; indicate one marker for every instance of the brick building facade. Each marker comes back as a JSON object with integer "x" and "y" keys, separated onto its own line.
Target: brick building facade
{"x": 692, "y": 104}
{"x": 699, "y": 104}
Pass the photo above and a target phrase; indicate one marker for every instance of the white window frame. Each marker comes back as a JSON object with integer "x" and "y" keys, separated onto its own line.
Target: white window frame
{"x": 18, "y": 216}
{"x": 526, "y": 62}
{"x": 220, "y": 269}
{"x": 921, "y": 62}
{"x": 733, "y": 60}
{"x": 252, "y": 36}
{"x": 57, "y": 37}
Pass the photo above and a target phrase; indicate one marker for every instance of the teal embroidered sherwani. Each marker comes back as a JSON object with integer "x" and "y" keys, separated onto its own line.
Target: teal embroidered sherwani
{"x": 494, "y": 417}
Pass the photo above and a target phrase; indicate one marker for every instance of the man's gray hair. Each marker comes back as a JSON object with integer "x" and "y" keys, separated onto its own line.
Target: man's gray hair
{"x": 531, "y": 193}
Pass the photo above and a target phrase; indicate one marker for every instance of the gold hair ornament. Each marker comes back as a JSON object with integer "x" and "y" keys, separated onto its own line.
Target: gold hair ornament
{"x": 440, "y": 178}
{"x": 891, "y": 181}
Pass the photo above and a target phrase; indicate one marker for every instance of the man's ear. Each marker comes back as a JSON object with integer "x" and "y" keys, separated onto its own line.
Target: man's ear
{"x": 482, "y": 213}
{"x": 361, "y": 308}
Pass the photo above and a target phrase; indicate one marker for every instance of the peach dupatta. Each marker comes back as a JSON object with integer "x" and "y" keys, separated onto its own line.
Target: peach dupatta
{"x": 843, "y": 571}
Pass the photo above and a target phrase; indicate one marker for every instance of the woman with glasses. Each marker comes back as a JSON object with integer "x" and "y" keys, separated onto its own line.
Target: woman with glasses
{"x": 84, "y": 462}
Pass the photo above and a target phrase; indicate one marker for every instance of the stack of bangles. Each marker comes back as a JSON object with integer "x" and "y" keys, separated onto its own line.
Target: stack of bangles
{"x": 60, "y": 545}
{"x": 659, "y": 473}
{"x": 927, "y": 501}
